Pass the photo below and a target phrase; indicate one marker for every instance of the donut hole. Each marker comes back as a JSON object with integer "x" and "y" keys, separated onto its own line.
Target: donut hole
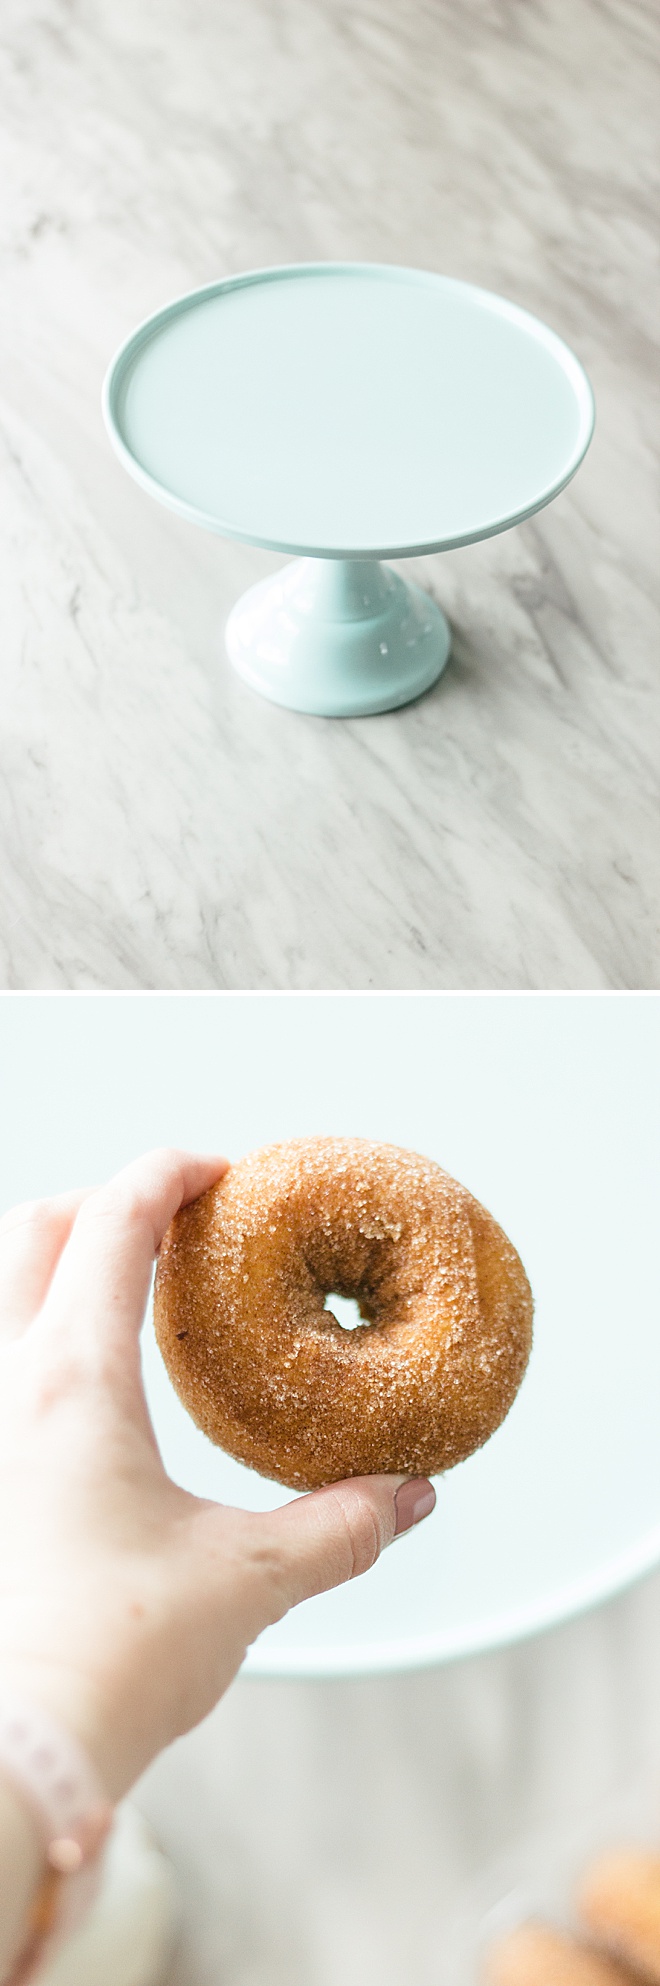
{"x": 346, "y": 1311}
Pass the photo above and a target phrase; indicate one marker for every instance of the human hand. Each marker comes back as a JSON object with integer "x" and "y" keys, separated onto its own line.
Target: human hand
{"x": 126, "y": 1605}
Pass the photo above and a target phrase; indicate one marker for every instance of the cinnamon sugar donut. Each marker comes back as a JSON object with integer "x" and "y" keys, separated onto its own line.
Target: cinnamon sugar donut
{"x": 271, "y": 1376}
{"x": 536, "y": 1955}
{"x": 620, "y": 1902}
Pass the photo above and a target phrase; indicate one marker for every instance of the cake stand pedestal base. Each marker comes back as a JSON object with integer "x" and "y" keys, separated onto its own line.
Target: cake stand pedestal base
{"x": 338, "y": 638}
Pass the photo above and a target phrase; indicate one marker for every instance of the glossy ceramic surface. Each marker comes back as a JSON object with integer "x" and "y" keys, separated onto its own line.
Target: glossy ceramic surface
{"x": 348, "y": 410}
{"x": 338, "y": 637}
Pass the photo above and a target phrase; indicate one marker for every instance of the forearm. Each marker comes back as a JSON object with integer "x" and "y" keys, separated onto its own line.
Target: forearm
{"x": 21, "y": 1865}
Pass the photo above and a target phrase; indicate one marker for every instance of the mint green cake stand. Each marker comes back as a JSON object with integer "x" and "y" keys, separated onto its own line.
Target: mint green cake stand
{"x": 346, "y": 413}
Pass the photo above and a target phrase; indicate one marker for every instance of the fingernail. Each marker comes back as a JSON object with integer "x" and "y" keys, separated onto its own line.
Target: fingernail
{"x": 413, "y": 1501}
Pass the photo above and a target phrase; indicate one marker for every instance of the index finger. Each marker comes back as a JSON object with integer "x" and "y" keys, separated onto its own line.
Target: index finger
{"x": 101, "y": 1282}
{"x": 32, "y": 1236}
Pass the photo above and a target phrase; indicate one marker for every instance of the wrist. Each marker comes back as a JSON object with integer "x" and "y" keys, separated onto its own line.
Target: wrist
{"x": 56, "y": 1818}
{"x": 74, "y": 1702}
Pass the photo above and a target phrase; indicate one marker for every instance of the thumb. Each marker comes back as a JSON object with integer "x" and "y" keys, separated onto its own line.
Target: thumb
{"x": 334, "y": 1534}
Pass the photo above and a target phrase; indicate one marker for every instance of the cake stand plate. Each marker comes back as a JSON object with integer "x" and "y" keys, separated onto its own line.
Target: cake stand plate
{"x": 346, "y": 414}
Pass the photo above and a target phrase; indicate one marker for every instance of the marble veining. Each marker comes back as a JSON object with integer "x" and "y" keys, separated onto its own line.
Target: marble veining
{"x": 162, "y": 827}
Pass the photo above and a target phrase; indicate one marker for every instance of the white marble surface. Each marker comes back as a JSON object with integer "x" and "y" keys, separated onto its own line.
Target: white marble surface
{"x": 159, "y": 825}
{"x": 343, "y": 1834}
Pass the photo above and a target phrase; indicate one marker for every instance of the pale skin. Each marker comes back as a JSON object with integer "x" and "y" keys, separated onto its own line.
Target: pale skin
{"x": 127, "y": 1605}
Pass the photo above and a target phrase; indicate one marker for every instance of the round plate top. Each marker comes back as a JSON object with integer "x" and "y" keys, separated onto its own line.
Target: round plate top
{"x": 349, "y": 410}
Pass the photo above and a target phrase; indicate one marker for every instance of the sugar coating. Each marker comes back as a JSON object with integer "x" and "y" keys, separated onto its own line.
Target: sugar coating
{"x": 272, "y": 1377}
